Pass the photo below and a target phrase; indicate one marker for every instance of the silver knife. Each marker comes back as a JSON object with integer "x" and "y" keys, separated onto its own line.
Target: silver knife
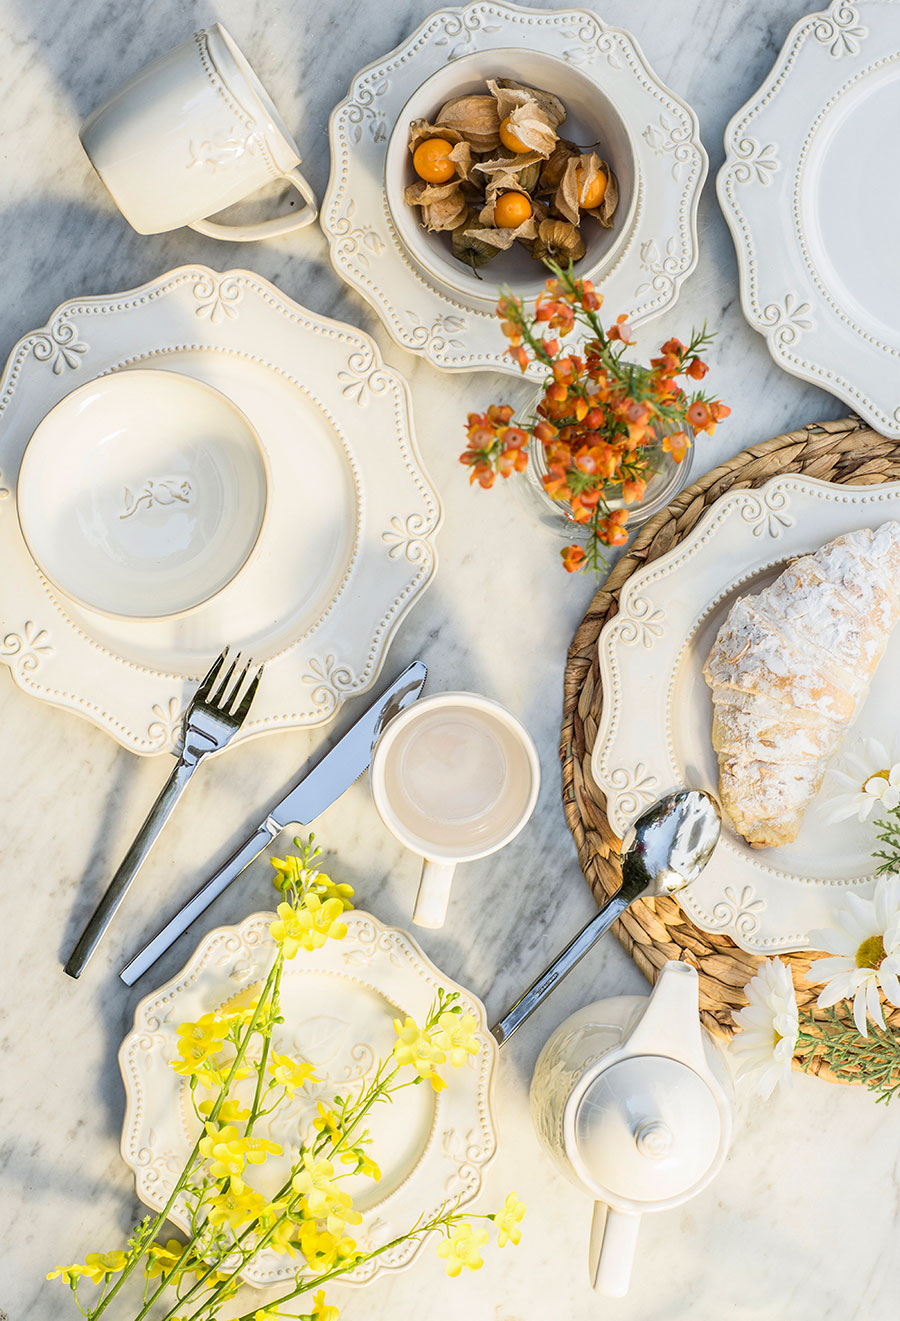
{"x": 306, "y": 800}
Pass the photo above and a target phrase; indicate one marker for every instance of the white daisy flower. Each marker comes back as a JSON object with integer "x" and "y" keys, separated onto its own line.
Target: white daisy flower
{"x": 866, "y": 946}
{"x": 863, "y": 780}
{"x": 769, "y": 1025}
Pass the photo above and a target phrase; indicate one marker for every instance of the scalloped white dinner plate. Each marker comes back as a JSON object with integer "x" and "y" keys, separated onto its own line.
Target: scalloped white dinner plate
{"x": 339, "y": 1003}
{"x": 348, "y": 539}
{"x": 811, "y": 196}
{"x": 655, "y": 728}
{"x": 458, "y": 333}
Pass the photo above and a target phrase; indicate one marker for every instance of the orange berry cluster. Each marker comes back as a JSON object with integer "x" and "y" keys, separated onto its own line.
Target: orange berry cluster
{"x": 602, "y": 420}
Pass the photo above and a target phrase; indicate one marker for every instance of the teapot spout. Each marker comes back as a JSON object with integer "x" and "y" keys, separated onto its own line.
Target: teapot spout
{"x": 670, "y": 1024}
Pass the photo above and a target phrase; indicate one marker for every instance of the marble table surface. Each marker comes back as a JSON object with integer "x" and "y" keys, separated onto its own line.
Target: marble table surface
{"x": 803, "y": 1221}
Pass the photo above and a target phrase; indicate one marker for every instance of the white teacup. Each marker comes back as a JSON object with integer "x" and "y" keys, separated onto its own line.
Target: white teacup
{"x": 191, "y": 134}
{"x": 454, "y": 778}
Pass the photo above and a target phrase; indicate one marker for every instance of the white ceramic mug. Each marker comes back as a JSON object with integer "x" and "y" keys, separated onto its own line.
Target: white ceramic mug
{"x": 454, "y": 778}
{"x": 191, "y": 134}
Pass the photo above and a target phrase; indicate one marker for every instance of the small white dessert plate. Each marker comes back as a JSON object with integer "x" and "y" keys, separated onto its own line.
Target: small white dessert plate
{"x": 142, "y": 494}
{"x": 339, "y": 1003}
{"x": 812, "y": 207}
{"x": 347, "y": 543}
{"x": 656, "y": 725}
{"x": 452, "y": 328}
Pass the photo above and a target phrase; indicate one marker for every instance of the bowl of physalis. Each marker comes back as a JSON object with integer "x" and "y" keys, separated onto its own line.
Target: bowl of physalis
{"x": 504, "y": 159}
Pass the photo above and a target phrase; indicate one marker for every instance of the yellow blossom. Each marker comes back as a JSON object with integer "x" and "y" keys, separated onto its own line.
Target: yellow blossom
{"x": 256, "y": 1150}
{"x": 330, "y": 889}
{"x": 324, "y": 1200}
{"x": 287, "y": 931}
{"x": 196, "y": 1059}
{"x": 456, "y": 1036}
{"x": 461, "y": 1249}
{"x": 327, "y": 1122}
{"x": 288, "y": 871}
{"x": 230, "y": 1111}
{"x": 161, "y": 1257}
{"x": 320, "y": 921}
{"x": 290, "y": 1074}
{"x": 322, "y": 1249}
{"x": 508, "y": 1221}
{"x": 266, "y": 1314}
{"x": 323, "y": 1311}
{"x": 234, "y": 1207}
{"x": 413, "y": 1046}
{"x": 97, "y": 1266}
{"x": 68, "y": 1273}
{"x": 206, "y": 1033}
{"x": 364, "y": 1164}
{"x": 222, "y": 1147}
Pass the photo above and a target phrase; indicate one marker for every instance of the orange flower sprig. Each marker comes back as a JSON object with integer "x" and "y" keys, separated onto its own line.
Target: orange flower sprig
{"x": 600, "y": 418}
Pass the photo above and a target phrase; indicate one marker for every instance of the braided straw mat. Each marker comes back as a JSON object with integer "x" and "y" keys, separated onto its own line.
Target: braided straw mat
{"x": 655, "y": 930}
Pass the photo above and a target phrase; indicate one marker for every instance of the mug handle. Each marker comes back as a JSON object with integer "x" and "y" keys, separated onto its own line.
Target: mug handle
{"x": 266, "y": 229}
{"x": 611, "y": 1252}
{"x": 433, "y": 894}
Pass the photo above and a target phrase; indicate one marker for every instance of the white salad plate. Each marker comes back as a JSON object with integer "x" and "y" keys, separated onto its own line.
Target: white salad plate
{"x": 453, "y": 329}
{"x": 142, "y": 494}
{"x": 655, "y": 730}
{"x": 339, "y": 1003}
{"x": 348, "y": 539}
{"x": 812, "y": 201}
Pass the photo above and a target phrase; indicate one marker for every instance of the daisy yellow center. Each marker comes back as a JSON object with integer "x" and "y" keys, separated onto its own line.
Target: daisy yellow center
{"x": 876, "y": 775}
{"x": 871, "y": 953}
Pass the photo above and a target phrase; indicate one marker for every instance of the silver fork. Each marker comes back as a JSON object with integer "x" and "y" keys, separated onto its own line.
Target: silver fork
{"x": 210, "y": 721}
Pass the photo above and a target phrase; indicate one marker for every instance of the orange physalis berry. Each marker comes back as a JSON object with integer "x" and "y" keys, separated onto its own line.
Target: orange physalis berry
{"x": 511, "y": 210}
{"x": 590, "y": 195}
{"x": 509, "y": 139}
{"x": 573, "y": 558}
{"x": 431, "y": 161}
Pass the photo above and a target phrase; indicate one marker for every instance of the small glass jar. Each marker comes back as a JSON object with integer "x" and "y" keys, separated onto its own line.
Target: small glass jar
{"x": 668, "y": 479}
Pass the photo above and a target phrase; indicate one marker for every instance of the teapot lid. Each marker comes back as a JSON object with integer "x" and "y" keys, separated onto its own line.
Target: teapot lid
{"x": 646, "y": 1129}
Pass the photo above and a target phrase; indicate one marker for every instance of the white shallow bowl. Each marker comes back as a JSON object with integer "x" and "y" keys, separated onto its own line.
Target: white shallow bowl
{"x": 591, "y": 118}
{"x": 142, "y": 494}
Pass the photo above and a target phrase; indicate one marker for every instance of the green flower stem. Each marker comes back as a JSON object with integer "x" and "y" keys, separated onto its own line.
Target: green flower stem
{"x": 267, "y": 1038}
{"x": 150, "y": 1233}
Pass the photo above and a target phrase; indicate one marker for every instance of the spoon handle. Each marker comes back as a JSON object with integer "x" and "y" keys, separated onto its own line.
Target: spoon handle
{"x": 574, "y": 951}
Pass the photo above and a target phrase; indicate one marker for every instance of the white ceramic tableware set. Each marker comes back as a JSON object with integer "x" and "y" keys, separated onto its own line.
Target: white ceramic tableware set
{"x": 156, "y": 520}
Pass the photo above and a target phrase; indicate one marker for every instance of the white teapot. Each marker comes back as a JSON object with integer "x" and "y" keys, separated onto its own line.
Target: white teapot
{"x": 632, "y": 1099}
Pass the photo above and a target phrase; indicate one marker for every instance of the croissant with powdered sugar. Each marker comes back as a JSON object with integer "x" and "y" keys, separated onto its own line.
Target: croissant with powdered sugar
{"x": 789, "y": 670}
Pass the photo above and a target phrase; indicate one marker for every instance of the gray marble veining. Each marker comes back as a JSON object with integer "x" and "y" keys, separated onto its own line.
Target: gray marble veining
{"x": 803, "y": 1220}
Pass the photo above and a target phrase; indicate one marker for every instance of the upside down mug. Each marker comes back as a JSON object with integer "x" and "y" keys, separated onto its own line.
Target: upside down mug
{"x": 192, "y": 133}
{"x": 455, "y": 777}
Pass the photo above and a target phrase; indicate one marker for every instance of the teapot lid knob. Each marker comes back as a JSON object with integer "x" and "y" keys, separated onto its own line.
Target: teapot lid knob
{"x": 654, "y": 1139}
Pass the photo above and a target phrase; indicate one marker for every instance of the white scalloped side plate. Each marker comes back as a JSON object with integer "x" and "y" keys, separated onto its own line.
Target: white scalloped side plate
{"x": 655, "y": 728}
{"x": 339, "y": 1003}
{"x": 452, "y": 333}
{"x": 348, "y": 542}
{"x": 815, "y": 234}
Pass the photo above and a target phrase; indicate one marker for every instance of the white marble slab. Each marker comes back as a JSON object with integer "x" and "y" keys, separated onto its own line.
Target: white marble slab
{"x": 804, "y": 1219}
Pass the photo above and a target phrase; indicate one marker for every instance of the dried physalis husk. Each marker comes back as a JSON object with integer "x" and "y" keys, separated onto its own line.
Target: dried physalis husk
{"x": 578, "y": 178}
{"x": 510, "y": 94}
{"x": 516, "y": 171}
{"x": 559, "y": 241}
{"x": 443, "y": 205}
{"x": 468, "y": 249}
{"x": 475, "y": 117}
{"x": 554, "y": 166}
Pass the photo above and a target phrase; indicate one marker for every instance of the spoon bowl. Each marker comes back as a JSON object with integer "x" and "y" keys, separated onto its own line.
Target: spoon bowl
{"x": 664, "y": 851}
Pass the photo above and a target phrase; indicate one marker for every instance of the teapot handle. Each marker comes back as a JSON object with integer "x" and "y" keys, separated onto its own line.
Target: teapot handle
{"x": 611, "y": 1253}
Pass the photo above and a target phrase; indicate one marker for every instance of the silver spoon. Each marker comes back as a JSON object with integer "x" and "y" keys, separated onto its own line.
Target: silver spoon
{"x": 666, "y": 849}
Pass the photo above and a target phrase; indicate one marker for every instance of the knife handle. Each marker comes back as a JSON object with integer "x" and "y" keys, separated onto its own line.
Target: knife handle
{"x": 155, "y": 948}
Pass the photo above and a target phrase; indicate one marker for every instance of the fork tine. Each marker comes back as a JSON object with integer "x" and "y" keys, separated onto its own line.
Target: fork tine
{"x": 228, "y": 702}
{"x": 209, "y": 679}
{"x": 241, "y": 713}
{"x": 216, "y": 699}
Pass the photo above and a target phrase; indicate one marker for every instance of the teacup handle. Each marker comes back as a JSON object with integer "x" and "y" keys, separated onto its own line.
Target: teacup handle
{"x": 266, "y": 229}
{"x": 434, "y": 893}
{"x": 611, "y": 1252}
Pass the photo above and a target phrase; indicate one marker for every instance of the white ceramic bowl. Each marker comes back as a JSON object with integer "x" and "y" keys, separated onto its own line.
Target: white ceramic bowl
{"x": 591, "y": 118}
{"x": 142, "y": 494}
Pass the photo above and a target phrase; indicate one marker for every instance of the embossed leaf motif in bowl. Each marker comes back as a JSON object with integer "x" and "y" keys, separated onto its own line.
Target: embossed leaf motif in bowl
{"x": 335, "y": 571}
{"x": 453, "y": 331}
{"x": 655, "y": 728}
{"x": 816, "y": 246}
{"x": 339, "y": 1003}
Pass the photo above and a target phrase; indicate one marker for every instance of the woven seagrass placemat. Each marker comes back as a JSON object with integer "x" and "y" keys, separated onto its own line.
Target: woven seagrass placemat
{"x": 654, "y": 931}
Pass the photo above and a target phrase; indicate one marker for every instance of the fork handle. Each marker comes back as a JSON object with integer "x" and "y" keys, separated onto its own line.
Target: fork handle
{"x": 130, "y": 865}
